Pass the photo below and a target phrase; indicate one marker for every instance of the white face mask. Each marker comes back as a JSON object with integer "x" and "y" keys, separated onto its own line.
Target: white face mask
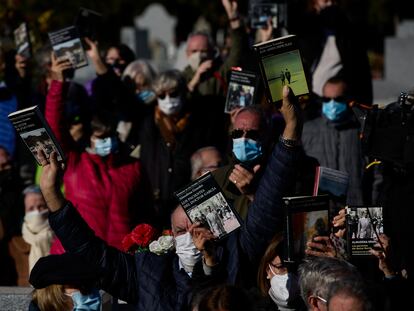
{"x": 284, "y": 288}
{"x": 188, "y": 254}
{"x": 170, "y": 105}
{"x": 36, "y": 220}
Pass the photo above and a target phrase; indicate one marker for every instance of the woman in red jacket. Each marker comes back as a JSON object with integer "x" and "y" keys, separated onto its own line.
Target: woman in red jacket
{"x": 103, "y": 182}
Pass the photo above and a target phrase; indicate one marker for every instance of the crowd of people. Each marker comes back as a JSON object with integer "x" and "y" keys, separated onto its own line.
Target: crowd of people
{"x": 133, "y": 136}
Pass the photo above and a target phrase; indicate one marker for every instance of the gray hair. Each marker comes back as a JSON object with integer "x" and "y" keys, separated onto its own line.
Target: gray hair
{"x": 197, "y": 161}
{"x": 318, "y": 274}
{"x": 204, "y": 34}
{"x": 32, "y": 189}
{"x": 352, "y": 289}
{"x": 168, "y": 80}
{"x": 142, "y": 67}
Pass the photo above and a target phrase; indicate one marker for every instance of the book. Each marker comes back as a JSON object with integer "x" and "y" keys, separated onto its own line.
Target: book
{"x": 241, "y": 91}
{"x": 22, "y": 40}
{"x": 364, "y": 224}
{"x": 88, "y": 23}
{"x": 332, "y": 182}
{"x": 204, "y": 202}
{"x": 35, "y": 132}
{"x": 281, "y": 64}
{"x": 305, "y": 218}
{"x": 67, "y": 44}
{"x": 260, "y": 13}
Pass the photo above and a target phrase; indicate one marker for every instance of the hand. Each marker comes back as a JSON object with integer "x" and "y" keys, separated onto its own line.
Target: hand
{"x": 231, "y": 8}
{"x": 49, "y": 180}
{"x": 243, "y": 178}
{"x": 58, "y": 66}
{"x": 21, "y": 65}
{"x": 321, "y": 246}
{"x": 266, "y": 33}
{"x": 204, "y": 241}
{"x": 204, "y": 67}
{"x": 339, "y": 223}
{"x": 383, "y": 256}
{"x": 291, "y": 113}
{"x": 93, "y": 53}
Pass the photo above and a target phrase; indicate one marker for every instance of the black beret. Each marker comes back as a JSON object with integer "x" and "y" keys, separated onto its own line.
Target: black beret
{"x": 65, "y": 269}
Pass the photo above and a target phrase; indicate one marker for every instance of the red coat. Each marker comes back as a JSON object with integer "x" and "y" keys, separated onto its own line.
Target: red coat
{"x": 104, "y": 190}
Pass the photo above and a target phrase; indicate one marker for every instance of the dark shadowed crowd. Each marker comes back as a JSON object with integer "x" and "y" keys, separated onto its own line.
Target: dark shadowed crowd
{"x": 134, "y": 135}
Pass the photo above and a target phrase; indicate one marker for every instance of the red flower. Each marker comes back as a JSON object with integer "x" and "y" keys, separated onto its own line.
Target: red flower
{"x": 143, "y": 235}
{"x": 128, "y": 244}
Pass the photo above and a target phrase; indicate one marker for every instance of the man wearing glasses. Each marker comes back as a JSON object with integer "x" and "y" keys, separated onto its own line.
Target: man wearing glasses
{"x": 239, "y": 178}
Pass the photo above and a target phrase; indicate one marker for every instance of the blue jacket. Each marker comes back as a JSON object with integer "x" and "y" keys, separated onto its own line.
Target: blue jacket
{"x": 153, "y": 282}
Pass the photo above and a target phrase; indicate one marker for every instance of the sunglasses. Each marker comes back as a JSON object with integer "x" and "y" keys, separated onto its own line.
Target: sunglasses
{"x": 341, "y": 99}
{"x": 173, "y": 94}
{"x": 239, "y": 133}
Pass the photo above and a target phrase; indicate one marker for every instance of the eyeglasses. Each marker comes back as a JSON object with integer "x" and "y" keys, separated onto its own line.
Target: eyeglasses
{"x": 341, "y": 99}
{"x": 173, "y": 93}
{"x": 239, "y": 133}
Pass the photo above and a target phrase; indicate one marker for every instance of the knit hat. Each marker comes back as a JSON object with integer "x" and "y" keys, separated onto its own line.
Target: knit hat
{"x": 65, "y": 269}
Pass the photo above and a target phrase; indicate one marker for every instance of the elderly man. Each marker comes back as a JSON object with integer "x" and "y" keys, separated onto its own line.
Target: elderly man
{"x": 323, "y": 285}
{"x": 155, "y": 282}
{"x": 333, "y": 138}
{"x": 240, "y": 177}
{"x": 205, "y": 74}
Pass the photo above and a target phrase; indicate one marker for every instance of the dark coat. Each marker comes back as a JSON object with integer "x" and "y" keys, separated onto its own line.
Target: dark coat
{"x": 154, "y": 282}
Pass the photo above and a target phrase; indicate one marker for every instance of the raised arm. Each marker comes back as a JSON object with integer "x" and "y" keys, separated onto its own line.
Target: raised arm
{"x": 54, "y": 103}
{"x": 119, "y": 273}
{"x": 265, "y": 214}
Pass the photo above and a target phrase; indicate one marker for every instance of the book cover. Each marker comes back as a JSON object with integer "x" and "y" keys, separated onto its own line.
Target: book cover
{"x": 260, "y": 13}
{"x": 241, "y": 91}
{"x": 305, "y": 218}
{"x": 332, "y": 182}
{"x": 22, "y": 40}
{"x": 281, "y": 64}
{"x": 88, "y": 23}
{"x": 35, "y": 132}
{"x": 204, "y": 202}
{"x": 364, "y": 224}
{"x": 67, "y": 44}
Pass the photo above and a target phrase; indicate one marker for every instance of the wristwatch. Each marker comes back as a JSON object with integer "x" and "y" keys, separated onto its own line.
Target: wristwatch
{"x": 290, "y": 142}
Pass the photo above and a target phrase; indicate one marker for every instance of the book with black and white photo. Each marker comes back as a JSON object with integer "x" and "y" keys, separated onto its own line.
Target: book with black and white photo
{"x": 242, "y": 89}
{"x": 305, "y": 218}
{"x": 22, "y": 40}
{"x": 88, "y": 23}
{"x": 35, "y": 132}
{"x": 281, "y": 64}
{"x": 332, "y": 182}
{"x": 364, "y": 224}
{"x": 204, "y": 202}
{"x": 66, "y": 44}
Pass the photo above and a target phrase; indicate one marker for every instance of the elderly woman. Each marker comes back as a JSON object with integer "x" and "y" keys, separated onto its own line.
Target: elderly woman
{"x": 168, "y": 137}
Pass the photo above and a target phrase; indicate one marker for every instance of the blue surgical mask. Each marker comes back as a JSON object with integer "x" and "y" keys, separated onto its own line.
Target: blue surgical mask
{"x": 335, "y": 111}
{"x": 89, "y": 302}
{"x": 246, "y": 149}
{"x": 146, "y": 96}
{"x": 104, "y": 146}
